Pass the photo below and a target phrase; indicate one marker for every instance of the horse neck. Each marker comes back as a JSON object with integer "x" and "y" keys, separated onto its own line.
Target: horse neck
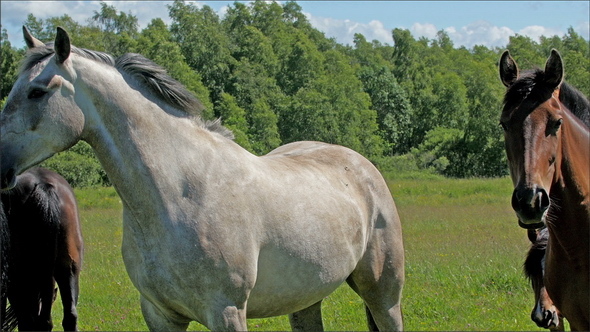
{"x": 571, "y": 190}
{"x": 140, "y": 145}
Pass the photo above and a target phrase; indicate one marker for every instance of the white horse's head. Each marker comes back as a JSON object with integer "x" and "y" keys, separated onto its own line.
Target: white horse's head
{"x": 41, "y": 116}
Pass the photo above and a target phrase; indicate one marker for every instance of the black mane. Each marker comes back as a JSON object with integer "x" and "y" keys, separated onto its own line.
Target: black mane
{"x": 576, "y": 102}
{"x": 533, "y": 266}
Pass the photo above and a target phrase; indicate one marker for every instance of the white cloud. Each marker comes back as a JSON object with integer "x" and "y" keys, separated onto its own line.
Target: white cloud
{"x": 427, "y": 30}
{"x": 343, "y": 30}
{"x": 480, "y": 33}
{"x": 536, "y": 31}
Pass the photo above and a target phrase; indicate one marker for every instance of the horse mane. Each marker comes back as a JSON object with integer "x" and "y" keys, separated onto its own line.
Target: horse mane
{"x": 530, "y": 90}
{"x": 533, "y": 263}
{"x": 576, "y": 102}
{"x": 147, "y": 72}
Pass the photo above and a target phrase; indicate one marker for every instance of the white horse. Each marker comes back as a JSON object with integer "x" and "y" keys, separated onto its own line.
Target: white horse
{"x": 212, "y": 233}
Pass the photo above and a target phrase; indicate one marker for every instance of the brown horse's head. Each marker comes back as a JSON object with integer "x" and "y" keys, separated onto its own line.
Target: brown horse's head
{"x": 531, "y": 118}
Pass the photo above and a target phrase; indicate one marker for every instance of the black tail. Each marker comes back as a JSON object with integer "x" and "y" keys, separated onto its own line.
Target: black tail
{"x": 8, "y": 320}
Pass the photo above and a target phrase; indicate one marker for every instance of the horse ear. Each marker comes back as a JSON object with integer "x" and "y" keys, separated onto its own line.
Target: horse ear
{"x": 554, "y": 69}
{"x": 62, "y": 45}
{"x": 508, "y": 69}
{"x": 31, "y": 41}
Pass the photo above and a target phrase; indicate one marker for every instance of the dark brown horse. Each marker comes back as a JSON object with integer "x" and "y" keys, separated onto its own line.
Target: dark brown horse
{"x": 544, "y": 313}
{"x": 45, "y": 248}
{"x": 548, "y": 149}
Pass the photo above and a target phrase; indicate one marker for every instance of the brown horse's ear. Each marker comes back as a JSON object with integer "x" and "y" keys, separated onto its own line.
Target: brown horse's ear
{"x": 31, "y": 41}
{"x": 554, "y": 69}
{"x": 508, "y": 69}
{"x": 62, "y": 45}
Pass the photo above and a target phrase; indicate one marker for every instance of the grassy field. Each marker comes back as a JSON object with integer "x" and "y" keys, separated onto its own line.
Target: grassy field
{"x": 464, "y": 253}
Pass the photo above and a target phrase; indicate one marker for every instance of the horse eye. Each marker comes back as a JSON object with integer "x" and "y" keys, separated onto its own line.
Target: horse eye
{"x": 36, "y": 93}
{"x": 557, "y": 124}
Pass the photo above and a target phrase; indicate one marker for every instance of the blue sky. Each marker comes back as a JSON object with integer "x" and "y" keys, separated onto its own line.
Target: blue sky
{"x": 468, "y": 23}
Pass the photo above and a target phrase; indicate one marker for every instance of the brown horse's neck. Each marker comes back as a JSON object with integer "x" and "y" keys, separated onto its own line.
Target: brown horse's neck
{"x": 569, "y": 219}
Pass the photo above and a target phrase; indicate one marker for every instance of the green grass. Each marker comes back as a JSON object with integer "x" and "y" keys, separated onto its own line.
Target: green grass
{"x": 464, "y": 253}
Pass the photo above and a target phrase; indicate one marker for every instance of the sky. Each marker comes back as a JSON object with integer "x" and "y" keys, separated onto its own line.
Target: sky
{"x": 468, "y": 23}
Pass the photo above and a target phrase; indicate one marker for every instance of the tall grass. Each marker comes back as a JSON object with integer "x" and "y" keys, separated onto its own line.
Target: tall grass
{"x": 464, "y": 253}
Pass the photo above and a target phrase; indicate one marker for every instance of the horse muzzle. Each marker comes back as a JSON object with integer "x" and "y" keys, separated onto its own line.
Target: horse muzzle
{"x": 531, "y": 206}
{"x": 545, "y": 318}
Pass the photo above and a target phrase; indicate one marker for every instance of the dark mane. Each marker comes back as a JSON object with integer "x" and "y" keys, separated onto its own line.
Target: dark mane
{"x": 159, "y": 82}
{"x": 530, "y": 91}
{"x": 576, "y": 102}
{"x": 533, "y": 263}
{"x": 145, "y": 71}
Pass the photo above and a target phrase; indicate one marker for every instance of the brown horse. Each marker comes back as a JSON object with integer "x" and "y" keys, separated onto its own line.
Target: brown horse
{"x": 544, "y": 313}
{"x": 45, "y": 248}
{"x": 548, "y": 149}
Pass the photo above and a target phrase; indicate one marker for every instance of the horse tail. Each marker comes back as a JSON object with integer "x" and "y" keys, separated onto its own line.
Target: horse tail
{"x": 8, "y": 321}
{"x": 48, "y": 204}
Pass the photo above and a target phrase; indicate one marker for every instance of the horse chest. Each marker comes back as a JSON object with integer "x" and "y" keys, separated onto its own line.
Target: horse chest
{"x": 567, "y": 284}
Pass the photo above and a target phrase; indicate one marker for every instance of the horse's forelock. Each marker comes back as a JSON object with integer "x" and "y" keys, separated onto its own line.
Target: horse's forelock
{"x": 529, "y": 91}
{"x": 531, "y": 88}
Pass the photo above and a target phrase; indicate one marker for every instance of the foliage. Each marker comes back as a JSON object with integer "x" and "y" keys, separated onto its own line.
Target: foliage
{"x": 78, "y": 166}
{"x": 275, "y": 79}
{"x": 9, "y": 58}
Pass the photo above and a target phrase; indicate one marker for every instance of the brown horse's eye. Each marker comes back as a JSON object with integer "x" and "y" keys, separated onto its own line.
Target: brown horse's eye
{"x": 554, "y": 127}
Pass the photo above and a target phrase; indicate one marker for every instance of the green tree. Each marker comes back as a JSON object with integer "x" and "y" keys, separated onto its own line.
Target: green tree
{"x": 9, "y": 58}
{"x": 394, "y": 112}
{"x": 203, "y": 43}
{"x": 234, "y": 118}
{"x": 261, "y": 98}
{"x": 302, "y": 65}
{"x": 119, "y": 30}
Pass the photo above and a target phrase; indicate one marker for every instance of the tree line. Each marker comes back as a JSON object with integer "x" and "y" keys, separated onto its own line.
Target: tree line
{"x": 273, "y": 79}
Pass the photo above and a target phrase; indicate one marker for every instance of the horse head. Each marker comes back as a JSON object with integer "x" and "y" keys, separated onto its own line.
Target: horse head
{"x": 41, "y": 116}
{"x": 532, "y": 120}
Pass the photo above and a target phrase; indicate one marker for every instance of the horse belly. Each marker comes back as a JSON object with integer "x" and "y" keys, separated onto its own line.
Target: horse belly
{"x": 287, "y": 283}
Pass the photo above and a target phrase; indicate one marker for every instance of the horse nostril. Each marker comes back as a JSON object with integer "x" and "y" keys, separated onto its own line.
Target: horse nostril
{"x": 543, "y": 199}
{"x": 515, "y": 201}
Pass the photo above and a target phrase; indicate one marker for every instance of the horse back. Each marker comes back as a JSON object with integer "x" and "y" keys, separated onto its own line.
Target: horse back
{"x": 347, "y": 170}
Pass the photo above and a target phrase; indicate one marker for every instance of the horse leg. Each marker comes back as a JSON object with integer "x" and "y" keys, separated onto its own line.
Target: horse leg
{"x": 379, "y": 278}
{"x": 370, "y": 320}
{"x": 47, "y": 296}
{"x": 68, "y": 281}
{"x": 308, "y": 319}
{"x": 157, "y": 320}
